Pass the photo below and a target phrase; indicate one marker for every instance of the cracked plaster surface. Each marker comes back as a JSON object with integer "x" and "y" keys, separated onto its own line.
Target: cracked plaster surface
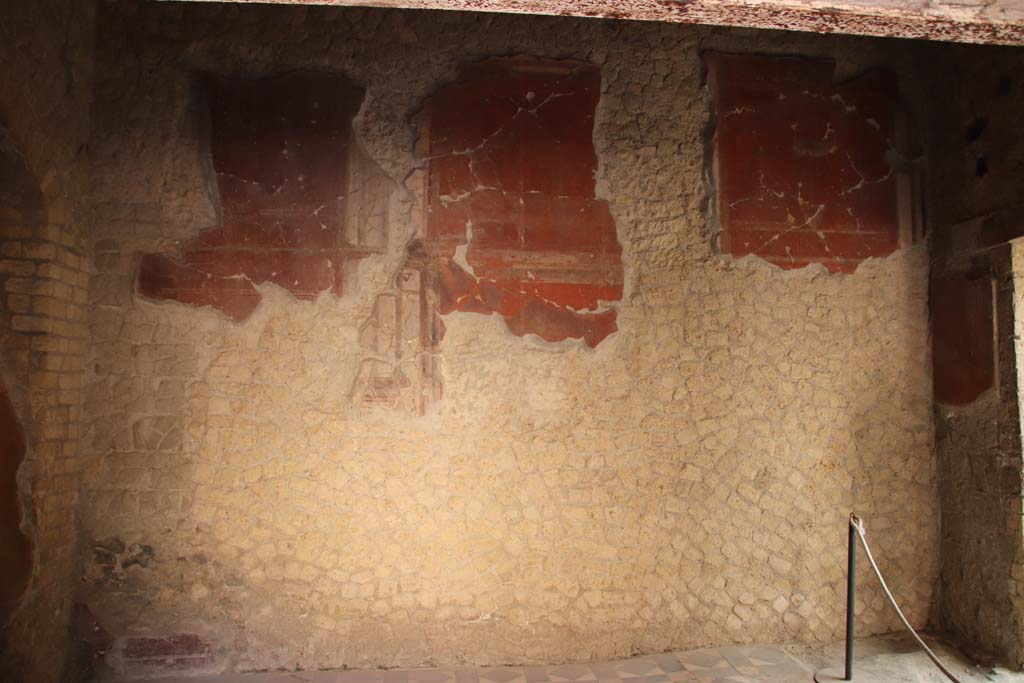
{"x": 289, "y": 196}
{"x": 511, "y": 177}
{"x": 509, "y": 224}
{"x": 686, "y": 482}
{"x": 806, "y": 169}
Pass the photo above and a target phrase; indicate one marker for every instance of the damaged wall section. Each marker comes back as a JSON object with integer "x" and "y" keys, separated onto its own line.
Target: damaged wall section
{"x": 977, "y": 312}
{"x": 511, "y": 176}
{"x": 512, "y": 225}
{"x": 807, "y": 169}
{"x": 681, "y": 483}
{"x": 282, "y": 150}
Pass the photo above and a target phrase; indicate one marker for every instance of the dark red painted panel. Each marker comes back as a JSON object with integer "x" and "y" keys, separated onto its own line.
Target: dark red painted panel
{"x": 805, "y": 169}
{"x": 175, "y": 653}
{"x": 511, "y": 179}
{"x": 280, "y": 148}
{"x": 15, "y": 549}
{"x": 963, "y": 354}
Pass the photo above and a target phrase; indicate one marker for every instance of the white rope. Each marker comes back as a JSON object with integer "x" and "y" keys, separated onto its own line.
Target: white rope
{"x": 857, "y": 524}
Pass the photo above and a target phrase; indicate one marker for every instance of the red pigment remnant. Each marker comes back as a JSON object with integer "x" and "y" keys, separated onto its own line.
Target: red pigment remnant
{"x": 805, "y": 170}
{"x": 15, "y": 548}
{"x": 176, "y": 653}
{"x": 402, "y": 372}
{"x": 280, "y": 148}
{"x": 963, "y": 358}
{"x": 513, "y": 224}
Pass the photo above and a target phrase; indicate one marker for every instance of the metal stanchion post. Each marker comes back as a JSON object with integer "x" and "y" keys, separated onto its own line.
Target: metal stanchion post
{"x": 851, "y": 564}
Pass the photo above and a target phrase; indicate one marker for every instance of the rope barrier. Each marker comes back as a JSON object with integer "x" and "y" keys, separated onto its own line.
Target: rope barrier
{"x": 857, "y": 526}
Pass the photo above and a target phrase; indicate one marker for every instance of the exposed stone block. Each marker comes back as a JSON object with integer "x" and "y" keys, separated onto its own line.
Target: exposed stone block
{"x": 29, "y": 323}
{"x": 17, "y": 268}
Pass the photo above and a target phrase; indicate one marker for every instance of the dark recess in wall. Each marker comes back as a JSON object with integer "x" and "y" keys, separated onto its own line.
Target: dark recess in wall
{"x": 22, "y": 207}
{"x": 15, "y": 548}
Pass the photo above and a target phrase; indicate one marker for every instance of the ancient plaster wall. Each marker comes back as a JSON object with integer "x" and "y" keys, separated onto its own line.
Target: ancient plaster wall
{"x": 685, "y": 482}
{"x": 976, "y": 172}
{"x": 978, "y": 444}
{"x": 784, "y": 124}
{"x": 45, "y": 90}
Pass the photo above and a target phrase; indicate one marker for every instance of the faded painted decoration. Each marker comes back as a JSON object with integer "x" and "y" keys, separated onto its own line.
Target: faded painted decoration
{"x": 511, "y": 166}
{"x": 805, "y": 167}
{"x": 512, "y": 223}
{"x": 282, "y": 151}
{"x": 176, "y": 653}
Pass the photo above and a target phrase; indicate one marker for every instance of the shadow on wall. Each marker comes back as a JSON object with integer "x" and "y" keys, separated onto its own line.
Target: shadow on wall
{"x": 21, "y": 200}
{"x": 21, "y": 209}
{"x": 15, "y": 548}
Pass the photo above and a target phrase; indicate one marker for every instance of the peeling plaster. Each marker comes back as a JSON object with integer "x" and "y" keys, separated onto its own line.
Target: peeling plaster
{"x": 281, "y": 148}
{"x": 511, "y": 224}
{"x": 806, "y": 168}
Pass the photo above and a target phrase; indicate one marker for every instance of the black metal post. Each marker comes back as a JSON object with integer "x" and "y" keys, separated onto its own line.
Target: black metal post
{"x": 851, "y": 563}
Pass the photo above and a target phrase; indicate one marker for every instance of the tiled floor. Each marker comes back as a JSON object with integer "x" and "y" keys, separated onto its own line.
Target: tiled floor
{"x": 888, "y": 659}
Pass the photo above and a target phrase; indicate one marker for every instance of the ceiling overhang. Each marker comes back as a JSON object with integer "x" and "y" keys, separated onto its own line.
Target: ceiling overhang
{"x": 998, "y": 22}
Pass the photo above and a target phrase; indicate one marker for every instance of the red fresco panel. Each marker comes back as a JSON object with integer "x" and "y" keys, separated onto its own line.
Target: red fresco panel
{"x": 280, "y": 149}
{"x": 511, "y": 178}
{"x": 805, "y": 170}
{"x": 963, "y": 353}
{"x": 511, "y": 225}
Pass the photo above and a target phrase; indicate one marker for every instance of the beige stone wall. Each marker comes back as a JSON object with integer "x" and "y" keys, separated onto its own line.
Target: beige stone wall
{"x": 975, "y": 152}
{"x": 978, "y": 457}
{"x": 45, "y": 91}
{"x": 685, "y": 483}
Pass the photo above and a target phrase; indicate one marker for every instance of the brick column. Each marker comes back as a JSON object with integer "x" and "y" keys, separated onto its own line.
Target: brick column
{"x": 43, "y": 286}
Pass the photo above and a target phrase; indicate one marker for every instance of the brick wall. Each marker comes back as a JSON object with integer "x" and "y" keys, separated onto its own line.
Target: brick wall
{"x": 45, "y": 90}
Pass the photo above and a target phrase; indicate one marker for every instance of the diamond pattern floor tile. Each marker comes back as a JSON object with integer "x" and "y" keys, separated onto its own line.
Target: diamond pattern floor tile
{"x": 703, "y": 660}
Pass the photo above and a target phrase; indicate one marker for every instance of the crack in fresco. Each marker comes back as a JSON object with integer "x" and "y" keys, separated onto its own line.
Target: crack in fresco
{"x": 525, "y": 190}
{"x": 511, "y": 224}
{"x": 805, "y": 167}
{"x": 290, "y": 179}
